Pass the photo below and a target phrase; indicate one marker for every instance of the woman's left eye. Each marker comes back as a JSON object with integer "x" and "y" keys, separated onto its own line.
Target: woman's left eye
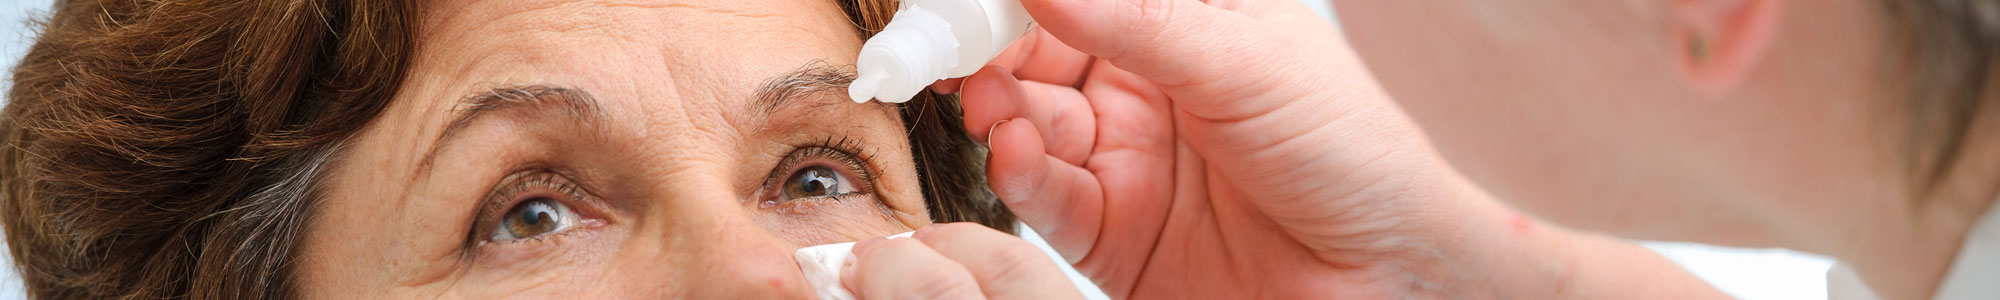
{"x": 534, "y": 218}
{"x": 816, "y": 181}
{"x": 829, "y": 171}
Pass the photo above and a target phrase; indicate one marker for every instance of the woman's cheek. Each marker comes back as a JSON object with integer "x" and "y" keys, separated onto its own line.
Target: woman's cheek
{"x": 557, "y": 265}
{"x": 807, "y": 222}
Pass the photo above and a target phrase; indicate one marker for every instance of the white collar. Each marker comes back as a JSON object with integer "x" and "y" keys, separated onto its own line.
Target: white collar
{"x": 1974, "y": 274}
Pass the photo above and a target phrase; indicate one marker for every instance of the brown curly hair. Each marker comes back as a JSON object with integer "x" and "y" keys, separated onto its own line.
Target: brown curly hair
{"x": 171, "y": 148}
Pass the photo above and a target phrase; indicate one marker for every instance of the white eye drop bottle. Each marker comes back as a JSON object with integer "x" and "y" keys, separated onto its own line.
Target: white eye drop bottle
{"x": 929, "y": 40}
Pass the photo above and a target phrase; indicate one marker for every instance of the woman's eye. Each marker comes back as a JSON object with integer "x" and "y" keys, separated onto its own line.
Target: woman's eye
{"x": 534, "y": 218}
{"x": 816, "y": 181}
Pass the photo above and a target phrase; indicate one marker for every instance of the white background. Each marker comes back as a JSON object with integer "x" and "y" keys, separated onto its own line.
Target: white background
{"x": 1747, "y": 273}
{"x": 14, "y": 40}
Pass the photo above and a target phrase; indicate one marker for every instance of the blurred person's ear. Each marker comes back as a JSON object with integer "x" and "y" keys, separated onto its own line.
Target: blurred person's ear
{"x": 1722, "y": 40}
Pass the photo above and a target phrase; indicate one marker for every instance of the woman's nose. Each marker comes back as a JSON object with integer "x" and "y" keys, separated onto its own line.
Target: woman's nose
{"x": 726, "y": 254}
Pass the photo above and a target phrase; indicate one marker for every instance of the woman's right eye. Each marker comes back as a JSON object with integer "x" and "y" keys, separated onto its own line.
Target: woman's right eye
{"x": 816, "y": 182}
{"x": 533, "y": 218}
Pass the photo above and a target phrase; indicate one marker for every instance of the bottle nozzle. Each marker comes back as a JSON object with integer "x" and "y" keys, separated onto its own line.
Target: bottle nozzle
{"x": 864, "y": 88}
{"x": 929, "y": 40}
{"x": 905, "y": 57}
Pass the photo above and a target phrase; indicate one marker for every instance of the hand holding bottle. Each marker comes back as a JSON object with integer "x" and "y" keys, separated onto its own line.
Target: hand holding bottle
{"x": 1176, "y": 149}
{"x": 1191, "y": 151}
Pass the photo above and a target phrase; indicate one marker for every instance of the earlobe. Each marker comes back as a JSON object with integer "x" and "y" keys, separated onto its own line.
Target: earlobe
{"x": 1722, "y": 40}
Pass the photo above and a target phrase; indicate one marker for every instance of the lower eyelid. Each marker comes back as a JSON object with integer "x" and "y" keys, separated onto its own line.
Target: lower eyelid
{"x": 515, "y": 255}
{"x": 817, "y": 205}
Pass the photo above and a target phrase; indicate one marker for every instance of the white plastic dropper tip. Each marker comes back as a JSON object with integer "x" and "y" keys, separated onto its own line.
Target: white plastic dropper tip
{"x": 864, "y": 88}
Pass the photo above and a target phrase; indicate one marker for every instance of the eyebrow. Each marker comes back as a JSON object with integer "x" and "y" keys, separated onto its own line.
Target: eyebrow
{"x": 574, "y": 104}
{"x": 814, "y": 78}
{"x": 776, "y": 94}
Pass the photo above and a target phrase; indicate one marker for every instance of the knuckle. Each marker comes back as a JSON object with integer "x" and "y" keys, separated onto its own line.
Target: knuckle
{"x": 1017, "y": 253}
{"x": 897, "y": 247}
{"x": 1147, "y": 18}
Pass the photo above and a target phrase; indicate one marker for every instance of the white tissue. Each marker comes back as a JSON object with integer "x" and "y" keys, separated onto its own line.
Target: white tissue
{"x": 821, "y": 265}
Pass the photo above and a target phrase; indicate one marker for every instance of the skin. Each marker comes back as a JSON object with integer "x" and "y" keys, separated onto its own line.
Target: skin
{"x": 674, "y": 160}
{"x": 1210, "y": 180}
{"x": 1241, "y": 148}
{"x": 1791, "y": 132}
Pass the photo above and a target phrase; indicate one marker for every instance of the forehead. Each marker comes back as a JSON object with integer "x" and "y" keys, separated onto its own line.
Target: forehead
{"x": 752, "y": 24}
{"x": 629, "y": 48}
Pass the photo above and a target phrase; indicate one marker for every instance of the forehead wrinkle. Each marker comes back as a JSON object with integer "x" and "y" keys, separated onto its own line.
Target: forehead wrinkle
{"x": 606, "y": 18}
{"x": 572, "y": 104}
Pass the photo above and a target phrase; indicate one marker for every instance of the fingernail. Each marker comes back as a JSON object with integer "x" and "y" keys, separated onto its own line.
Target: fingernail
{"x": 864, "y": 245}
{"x": 989, "y": 133}
{"x": 921, "y": 232}
{"x": 847, "y": 271}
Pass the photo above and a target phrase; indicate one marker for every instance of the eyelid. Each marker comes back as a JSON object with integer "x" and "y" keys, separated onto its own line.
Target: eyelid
{"x": 844, "y": 150}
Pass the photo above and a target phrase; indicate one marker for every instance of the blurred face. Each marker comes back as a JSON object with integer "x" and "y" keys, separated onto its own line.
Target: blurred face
{"x": 1596, "y": 114}
{"x": 613, "y": 149}
{"x": 1517, "y": 94}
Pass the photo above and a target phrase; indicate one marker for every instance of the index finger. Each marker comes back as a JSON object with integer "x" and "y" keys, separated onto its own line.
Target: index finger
{"x": 1038, "y": 56}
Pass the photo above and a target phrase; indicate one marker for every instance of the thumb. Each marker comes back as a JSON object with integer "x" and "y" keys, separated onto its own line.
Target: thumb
{"x": 1201, "y": 53}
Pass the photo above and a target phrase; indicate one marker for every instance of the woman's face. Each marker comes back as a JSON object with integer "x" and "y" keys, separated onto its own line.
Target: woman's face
{"x": 612, "y": 149}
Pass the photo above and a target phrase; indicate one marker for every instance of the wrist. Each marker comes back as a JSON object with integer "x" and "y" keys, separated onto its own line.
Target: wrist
{"x": 1488, "y": 250}
{"x": 1479, "y": 247}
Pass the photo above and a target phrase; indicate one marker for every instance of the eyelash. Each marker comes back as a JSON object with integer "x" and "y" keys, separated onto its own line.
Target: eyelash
{"x": 844, "y": 151}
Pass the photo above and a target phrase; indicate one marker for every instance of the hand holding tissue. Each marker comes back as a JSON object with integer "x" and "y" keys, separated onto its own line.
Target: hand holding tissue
{"x": 942, "y": 261}
{"x": 822, "y": 264}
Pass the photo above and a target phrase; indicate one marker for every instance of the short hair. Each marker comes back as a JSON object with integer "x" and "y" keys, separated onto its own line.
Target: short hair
{"x": 1946, "y": 49}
